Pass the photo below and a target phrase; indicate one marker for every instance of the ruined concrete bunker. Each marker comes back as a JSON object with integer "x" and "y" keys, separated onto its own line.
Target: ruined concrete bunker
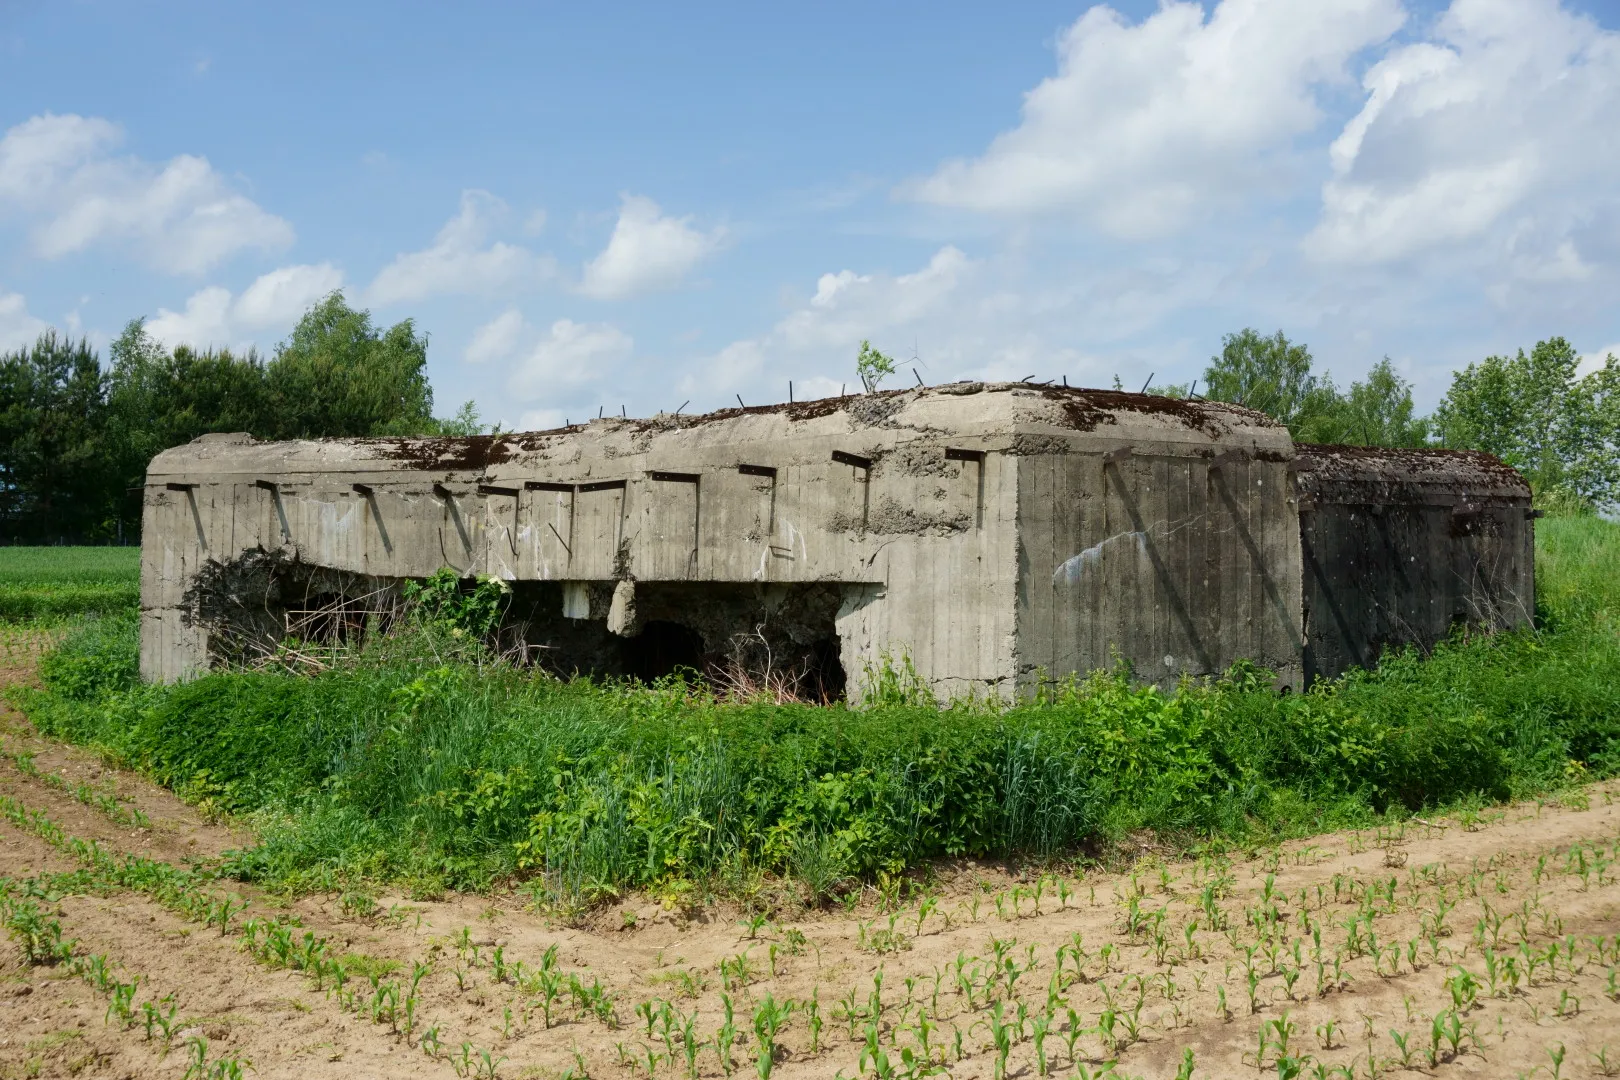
{"x": 990, "y": 537}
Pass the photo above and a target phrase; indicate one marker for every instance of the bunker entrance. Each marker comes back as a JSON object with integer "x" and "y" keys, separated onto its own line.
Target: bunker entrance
{"x": 661, "y": 649}
{"x": 780, "y": 639}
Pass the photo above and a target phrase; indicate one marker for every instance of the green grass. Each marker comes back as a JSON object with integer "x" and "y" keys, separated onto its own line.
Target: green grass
{"x": 468, "y": 772}
{"x": 51, "y": 583}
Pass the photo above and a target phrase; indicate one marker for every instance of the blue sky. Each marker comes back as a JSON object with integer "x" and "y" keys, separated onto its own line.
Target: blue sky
{"x": 637, "y": 206}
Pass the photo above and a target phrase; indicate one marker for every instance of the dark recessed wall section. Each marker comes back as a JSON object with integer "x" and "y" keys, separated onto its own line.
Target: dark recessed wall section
{"x": 728, "y": 634}
{"x": 1400, "y": 547}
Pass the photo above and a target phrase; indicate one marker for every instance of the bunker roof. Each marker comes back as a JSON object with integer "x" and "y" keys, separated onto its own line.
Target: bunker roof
{"x": 1004, "y": 416}
{"x": 1390, "y": 474}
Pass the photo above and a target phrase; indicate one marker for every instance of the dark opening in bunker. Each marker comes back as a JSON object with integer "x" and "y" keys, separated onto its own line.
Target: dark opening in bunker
{"x": 780, "y": 639}
{"x": 661, "y": 648}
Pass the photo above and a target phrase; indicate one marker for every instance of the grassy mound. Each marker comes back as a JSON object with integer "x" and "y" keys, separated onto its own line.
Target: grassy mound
{"x": 464, "y": 772}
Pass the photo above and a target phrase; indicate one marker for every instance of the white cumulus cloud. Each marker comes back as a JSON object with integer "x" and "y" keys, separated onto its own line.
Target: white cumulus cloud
{"x": 61, "y": 174}
{"x": 648, "y": 250}
{"x": 1500, "y": 129}
{"x": 819, "y": 338}
{"x": 17, "y": 326}
{"x": 205, "y": 322}
{"x": 1145, "y": 123}
{"x": 568, "y": 355}
{"x": 213, "y": 318}
{"x": 280, "y": 297}
{"x": 496, "y": 339}
{"x": 459, "y": 260}
{"x": 1594, "y": 360}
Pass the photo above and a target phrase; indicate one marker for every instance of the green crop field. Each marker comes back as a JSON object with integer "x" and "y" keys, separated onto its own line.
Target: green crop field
{"x": 50, "y": 583}
{"x": 424, "y": 761}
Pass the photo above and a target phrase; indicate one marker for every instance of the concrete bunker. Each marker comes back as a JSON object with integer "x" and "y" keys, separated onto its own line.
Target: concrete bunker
{"x": 993, "y": 536}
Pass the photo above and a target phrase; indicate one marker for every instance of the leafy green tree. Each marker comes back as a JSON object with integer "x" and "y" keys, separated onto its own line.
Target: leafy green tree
{"x": 338, "y": 375}
{"x": 52, "y": 415}
{"x": 872, "y": 366}
{"x": 157, "y": 399}
{"x": 1271, "y": 374}
{"x": 1375, "y": 412}
{"x": 465, "y": 422}
{"x": 1537, "y": 414}
{"x": 75, "y": 442}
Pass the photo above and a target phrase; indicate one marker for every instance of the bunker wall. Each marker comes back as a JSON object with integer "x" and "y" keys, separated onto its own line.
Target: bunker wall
{"x": 1176, "y": 558}
{"x": 910, "y": 523}
{"x": 1402, "y": 546}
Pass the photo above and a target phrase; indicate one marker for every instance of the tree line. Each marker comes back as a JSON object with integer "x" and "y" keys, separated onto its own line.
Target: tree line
{"x": 1535, "y": 411}
{"x": 76, "y": 436}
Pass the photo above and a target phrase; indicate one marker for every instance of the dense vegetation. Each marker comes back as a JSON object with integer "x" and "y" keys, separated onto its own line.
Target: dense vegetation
{"x": 76, "y": 437}
{"x": 423, "y": 760}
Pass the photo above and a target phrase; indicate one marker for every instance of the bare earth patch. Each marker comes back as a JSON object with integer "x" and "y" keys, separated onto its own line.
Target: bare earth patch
{"x": 1483, "y": 947}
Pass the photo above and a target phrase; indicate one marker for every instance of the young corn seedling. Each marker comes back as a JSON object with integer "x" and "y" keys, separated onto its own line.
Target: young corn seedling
{"x": 1556, "y": 1056}
{"x": 1071, "y": 1034}
{"x": 1290, "y": 976}
{"x": 812, "y": 1018}
{"x": 925, "y": 1029}
{"x": 1464, "y": 989}
{"x": 1402, "y": 1041}
{"x": 769, "y": 1018}
{"x": 925, "y": 909}
{"x": 122, "y": 1004}
{"x": 165, "y": 1021}
{"x": 846, "y": 1009}
{"x": 199, "y": 1058}
{"x": 221, "y": 910}
{"x": 1107, "y": 1019}
{"x": 1451, "y": 1030}
{"x": 690, "y": 1043}
{"x": 1043, "y": 1024}
{"x": 647, "y": 1012}
{"x": 726, "y": 1037}
{"x": 1002, "y": 1037}
{"x": 93, "y": 969}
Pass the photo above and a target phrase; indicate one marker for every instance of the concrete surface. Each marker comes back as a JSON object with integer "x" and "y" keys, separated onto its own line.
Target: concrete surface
{"x": 990, "y": 536}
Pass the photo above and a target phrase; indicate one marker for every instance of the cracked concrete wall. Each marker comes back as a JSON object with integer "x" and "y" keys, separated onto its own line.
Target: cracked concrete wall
{"x": 989, "y": 533}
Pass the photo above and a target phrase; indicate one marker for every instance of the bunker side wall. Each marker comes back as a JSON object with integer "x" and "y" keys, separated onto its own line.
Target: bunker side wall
{"x": 1172, "y": 559}
{"x": 1391, "y": 563}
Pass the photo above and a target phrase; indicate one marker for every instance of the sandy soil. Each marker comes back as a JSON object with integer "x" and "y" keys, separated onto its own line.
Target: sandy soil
{"x": 1534, "y": 883}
